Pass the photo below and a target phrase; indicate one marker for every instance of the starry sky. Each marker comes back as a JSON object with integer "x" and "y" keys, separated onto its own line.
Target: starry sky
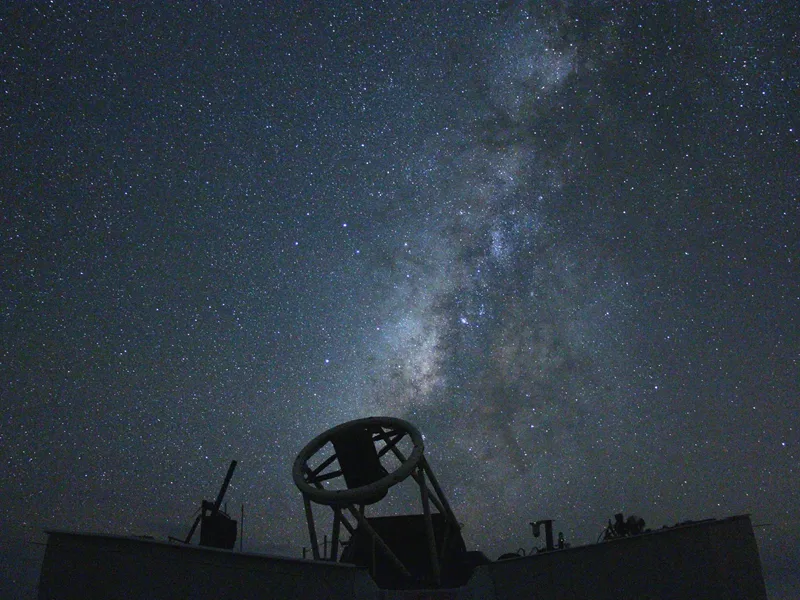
{"x": 561, "y": 239}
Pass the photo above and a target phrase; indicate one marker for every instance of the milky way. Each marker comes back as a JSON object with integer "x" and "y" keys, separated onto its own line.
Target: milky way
{"x": 503, "y": 331}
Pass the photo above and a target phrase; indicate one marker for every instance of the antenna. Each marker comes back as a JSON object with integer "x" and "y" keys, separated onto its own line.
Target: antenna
{"x": 217, "y": 529}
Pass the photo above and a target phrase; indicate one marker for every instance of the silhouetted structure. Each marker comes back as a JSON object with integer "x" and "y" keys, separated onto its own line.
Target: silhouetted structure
{"x": 353, "y": 466}
{"x": 217, "y": 528}
{"x": 622, "y": 528}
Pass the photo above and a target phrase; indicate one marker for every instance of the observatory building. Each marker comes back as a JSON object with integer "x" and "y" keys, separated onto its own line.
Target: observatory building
{"x": 341, "y": 475}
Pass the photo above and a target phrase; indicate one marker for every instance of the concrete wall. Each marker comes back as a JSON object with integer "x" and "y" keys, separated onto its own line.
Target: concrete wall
{"x": 711, "y": 560}
{"x": 708, "y": 560}
{"x": 86, "y": 566}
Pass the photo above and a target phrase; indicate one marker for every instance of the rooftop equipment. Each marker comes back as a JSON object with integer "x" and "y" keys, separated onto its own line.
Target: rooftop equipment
{"x": 217, "y": 528}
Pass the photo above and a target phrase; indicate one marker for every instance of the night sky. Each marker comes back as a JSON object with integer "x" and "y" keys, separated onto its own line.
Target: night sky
{"x": 564, "y": 242}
